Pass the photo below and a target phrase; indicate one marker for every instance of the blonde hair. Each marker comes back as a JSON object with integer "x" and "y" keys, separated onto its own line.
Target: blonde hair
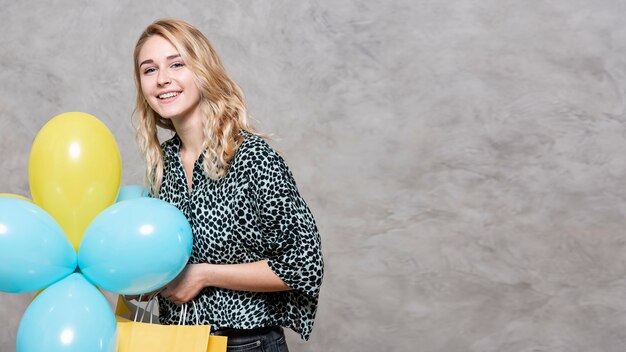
{"x": 222, "y": 103}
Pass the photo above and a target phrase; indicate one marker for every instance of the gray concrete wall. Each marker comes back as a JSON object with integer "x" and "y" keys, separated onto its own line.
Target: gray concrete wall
{"x": 464, "y": 159}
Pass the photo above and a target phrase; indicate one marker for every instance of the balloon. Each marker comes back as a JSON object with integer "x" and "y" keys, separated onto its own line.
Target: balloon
{"x": 11, "y": 195}
{"x": 135, "y": 246}
{"x": 74, "y": 171}
{"x": 131, "y": 192}
{"x": 69, "y": 316}
{"x": 34, "y": 252}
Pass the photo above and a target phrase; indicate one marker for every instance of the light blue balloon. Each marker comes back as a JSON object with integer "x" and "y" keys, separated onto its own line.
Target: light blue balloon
{"x": 34, "y": 251}
{"x": 131, "y": 192}
{"x": 69, "y": 316}
{"x": 135, "y": 246}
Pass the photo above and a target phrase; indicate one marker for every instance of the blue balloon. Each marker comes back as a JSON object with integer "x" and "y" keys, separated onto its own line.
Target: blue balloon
{"x": 135, "y": 246}
{"x": 34, "y": 251}
{"x": 131, "y": 192}
{"x": 69, "y": 316}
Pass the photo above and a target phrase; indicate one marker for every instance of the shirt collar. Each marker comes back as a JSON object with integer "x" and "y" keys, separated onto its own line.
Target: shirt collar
{"x": 171, "y": 149}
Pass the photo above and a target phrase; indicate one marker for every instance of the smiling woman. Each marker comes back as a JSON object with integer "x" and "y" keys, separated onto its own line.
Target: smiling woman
{"x": 256, "y": 264}
{"x": 167, "y": 83}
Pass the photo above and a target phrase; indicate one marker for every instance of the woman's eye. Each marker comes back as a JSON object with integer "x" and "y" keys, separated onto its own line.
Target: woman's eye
{"x": 178, "y": 65}
{"x": 149, "y": 70}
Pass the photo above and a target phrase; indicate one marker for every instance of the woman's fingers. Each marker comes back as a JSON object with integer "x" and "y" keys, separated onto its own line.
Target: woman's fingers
{"x": 171, "y": 296}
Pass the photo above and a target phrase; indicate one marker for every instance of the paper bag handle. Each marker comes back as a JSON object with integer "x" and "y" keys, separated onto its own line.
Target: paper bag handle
{"x": 183, "y": 313}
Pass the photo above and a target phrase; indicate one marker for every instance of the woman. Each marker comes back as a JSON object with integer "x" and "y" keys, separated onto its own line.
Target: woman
{"x": 256, "y": 264}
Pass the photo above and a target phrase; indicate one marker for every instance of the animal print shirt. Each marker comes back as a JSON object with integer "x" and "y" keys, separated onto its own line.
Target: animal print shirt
{"x": 253, "y": 213}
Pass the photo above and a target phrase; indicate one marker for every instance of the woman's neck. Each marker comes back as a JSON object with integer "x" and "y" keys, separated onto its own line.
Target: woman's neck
{"x": 191, "y": 134}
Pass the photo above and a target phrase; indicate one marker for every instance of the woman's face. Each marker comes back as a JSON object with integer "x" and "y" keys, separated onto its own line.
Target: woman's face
{"x": 166, "y": 81}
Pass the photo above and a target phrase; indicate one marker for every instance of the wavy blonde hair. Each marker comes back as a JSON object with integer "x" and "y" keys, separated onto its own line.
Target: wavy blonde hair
{"x": 222, "y": 103}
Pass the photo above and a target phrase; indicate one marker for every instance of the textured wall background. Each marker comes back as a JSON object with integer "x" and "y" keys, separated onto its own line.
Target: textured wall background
{"x": 464, "y": 159}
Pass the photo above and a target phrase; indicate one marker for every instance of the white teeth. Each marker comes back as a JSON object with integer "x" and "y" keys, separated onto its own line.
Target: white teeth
{"x": 168, "y": 95}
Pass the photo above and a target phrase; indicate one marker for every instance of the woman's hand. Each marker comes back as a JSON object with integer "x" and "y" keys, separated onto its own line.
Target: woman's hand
{"x": 187, "y": 284}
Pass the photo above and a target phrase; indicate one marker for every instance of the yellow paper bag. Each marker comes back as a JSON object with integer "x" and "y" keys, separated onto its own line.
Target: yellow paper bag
{"x": 217, "y": 344}
{"x": 118, "y": 319}
{"x": 136, "y": 336}
{"x": 146, "y": 337}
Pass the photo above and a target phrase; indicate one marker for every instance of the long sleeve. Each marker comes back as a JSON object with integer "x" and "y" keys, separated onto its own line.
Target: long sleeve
{"x": 292, "y": 243}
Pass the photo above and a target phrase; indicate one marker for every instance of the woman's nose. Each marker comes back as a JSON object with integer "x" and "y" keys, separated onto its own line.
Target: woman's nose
{"x": 163, "y": 78}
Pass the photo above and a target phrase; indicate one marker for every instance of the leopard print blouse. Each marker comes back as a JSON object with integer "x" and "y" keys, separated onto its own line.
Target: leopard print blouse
{"x": 253, "y": 213}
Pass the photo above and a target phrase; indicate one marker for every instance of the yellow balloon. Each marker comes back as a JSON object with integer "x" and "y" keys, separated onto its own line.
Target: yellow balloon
{"x": 11, "y": 195}
{"x": 74, "y": 171}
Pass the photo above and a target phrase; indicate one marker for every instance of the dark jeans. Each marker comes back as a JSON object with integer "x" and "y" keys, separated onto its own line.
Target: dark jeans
{"x": 272, "y": 340}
